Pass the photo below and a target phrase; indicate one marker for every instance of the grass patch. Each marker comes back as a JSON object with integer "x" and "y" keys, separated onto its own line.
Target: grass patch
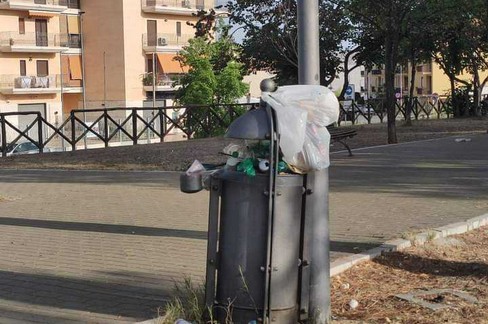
{"x": 188, "y": 303}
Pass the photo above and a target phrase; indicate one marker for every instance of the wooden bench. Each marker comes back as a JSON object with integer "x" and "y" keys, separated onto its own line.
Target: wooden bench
{"x": 340, "y": 135}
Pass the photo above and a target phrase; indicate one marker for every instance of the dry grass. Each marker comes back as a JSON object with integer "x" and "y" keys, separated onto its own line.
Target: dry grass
{"x": 374, "y": 284}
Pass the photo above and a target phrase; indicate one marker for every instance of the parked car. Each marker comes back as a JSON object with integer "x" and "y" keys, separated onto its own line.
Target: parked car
{"x": 22, "y": 148}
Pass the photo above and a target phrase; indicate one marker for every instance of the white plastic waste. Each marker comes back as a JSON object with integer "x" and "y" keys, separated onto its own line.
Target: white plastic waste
{"x": 303, "y": 112}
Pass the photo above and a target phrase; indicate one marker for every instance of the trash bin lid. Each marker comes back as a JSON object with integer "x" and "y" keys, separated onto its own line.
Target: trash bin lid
{"x": 254, "y": 124}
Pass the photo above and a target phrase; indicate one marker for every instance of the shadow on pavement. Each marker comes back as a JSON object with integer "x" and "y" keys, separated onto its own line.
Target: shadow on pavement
{"x": 103, "y": 228}
{"x": 110, "y": 298}
{"x": 131, "y": 178}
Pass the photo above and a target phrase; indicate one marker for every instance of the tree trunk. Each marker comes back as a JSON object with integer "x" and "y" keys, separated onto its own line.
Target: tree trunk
{"x": 347, "y": 71}
{"x": 390, "y": 58}
{"x": 411, "y": 88}
{"x": 476, "y": 93}
{"x": 455, "y": 107}
{"x": 346, "y": 77}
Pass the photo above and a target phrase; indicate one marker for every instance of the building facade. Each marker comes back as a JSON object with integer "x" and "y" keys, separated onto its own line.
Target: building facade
{"x": 48, "y": 46}
{"x": 40, "y": 56}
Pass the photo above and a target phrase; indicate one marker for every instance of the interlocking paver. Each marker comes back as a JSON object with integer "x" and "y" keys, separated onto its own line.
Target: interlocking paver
{"x": 106, "y": 246}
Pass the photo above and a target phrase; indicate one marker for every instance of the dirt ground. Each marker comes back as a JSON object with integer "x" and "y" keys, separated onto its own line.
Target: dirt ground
{"x": 459, "y": 262}
{"x": 178, "y": 155}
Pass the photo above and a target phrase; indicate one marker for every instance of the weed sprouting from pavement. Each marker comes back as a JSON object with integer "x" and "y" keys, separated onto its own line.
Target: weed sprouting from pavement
{"x": 188, "y": 303}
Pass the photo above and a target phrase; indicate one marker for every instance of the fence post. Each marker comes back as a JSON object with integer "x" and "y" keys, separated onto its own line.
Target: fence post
{"x": 162, "y": 123}
{"x": 353, "y": 112}
{"x": 368, "y": 107}
{"x": 148, "y": 130}
{"x": 4, "y": 136}
{"x": 134, "y": 127}
{"x": 105, "y": 129}
{"x": 73, "y": 130}
{"x": 120, "y": 132}
{"x": 39, "y": 133}
{"x": 416, "y": 110}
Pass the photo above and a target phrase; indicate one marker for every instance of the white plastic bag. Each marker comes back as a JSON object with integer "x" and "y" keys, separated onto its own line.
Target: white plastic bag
{"x": 291, "y": 121}
{"x": 303, "y": 112}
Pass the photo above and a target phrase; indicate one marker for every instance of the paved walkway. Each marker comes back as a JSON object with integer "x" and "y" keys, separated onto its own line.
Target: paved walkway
{"x": 101, "y": 247}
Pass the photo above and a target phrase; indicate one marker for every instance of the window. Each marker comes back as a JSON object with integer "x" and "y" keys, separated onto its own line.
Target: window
{"x": 22, "y": 26}
{"x": 42, "y": 68}
{"x": 200, "y": 4}
{"x": 23, "y": 69}
{"x": 41, "y": 32}
{"x": 178, "y": 29}
{"x": 152, "y": 32}
{"x": 74, "y": 4}
{"x": 149, "y": 65}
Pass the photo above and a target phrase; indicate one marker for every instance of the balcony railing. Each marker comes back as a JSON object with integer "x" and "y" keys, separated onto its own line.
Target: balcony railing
{"x": 162, "y": 80}
{"x": 32, "y": 40}
{"x": 162, "y": 40}
{"x": 160, "y": 5}
{"x": 71, "y": 40}
{"x": 16, "y": 83}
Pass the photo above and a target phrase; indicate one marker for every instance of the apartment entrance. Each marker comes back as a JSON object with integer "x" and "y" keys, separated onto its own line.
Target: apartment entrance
{"x": 41, "y": 30}
{"x": 26, "y": 120}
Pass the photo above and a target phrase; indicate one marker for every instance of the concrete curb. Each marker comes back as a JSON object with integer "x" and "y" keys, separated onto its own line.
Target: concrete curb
{"x": 340, "y": 265}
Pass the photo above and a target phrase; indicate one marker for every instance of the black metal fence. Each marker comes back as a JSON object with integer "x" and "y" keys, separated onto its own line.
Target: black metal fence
{"x": 374, "y": 110}
{"x": 103, "y": 127}
{"x": 95, "y": 126}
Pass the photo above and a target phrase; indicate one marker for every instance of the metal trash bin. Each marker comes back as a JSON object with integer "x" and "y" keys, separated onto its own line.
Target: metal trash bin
{"x": 243, "y": 241}
{"x": 258, "y": 253}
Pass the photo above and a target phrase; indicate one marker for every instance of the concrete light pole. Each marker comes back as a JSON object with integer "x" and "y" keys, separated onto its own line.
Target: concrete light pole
{"x": 316, "y": 225}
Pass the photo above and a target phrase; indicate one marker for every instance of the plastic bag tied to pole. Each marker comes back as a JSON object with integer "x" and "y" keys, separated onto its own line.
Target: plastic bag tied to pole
{"x": 302, "y": 113}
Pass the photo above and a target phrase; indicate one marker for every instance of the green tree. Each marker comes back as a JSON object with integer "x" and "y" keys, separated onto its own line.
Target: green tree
{"x": 214, "y": 76}
{"x": 385, "y": 22}
{"x": 214, "y": 79}
{"x": 270, "y": 37}
{"x": 461, "y": 46}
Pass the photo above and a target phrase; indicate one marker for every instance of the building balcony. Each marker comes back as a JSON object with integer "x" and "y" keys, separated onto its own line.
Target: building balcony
{"x": 164, "y": 82}
{"x": 18, "y": 85}
{"x": 33, "y": 43}
{"x": 175, "y": 7}
{"x": 165, "y": 42}
{"x": 35, "y": 5}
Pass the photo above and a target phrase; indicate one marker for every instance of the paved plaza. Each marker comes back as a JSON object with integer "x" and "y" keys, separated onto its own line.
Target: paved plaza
{"x": 107, "y": 246}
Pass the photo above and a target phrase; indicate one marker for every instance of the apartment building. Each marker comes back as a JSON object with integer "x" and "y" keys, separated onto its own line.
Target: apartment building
{"x": 40, "y": 62}
{"x": 48, "y": 46}
{"x": 124, "y": 40}
{"x": 430, "y": 79}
